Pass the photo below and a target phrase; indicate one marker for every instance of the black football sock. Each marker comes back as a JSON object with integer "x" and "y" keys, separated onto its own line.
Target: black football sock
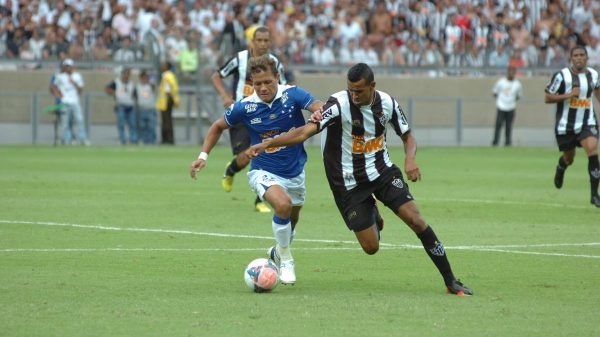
{"x": 437, "y": 253}
{"x": 562, "y": 163}
{"x": 233, "y": 168}
{"x": 594, "y": 171}
{"x": 257, "y": 200}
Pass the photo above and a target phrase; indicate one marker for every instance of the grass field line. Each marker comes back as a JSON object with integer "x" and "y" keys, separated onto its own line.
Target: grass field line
{"x": 490, "y": 248}
{"x": 508, "y": 202}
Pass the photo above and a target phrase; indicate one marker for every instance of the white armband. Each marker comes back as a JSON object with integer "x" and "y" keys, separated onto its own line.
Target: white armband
{"x": 203, "y": 155}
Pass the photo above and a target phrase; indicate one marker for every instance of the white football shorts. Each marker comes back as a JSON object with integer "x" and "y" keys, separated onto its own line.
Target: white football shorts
{"x": 261, "y": 180}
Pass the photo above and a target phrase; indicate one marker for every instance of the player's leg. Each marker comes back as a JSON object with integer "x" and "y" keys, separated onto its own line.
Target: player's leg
{"x": 590, "y": 145}
{"x": 271, "y": 188}
{"x": 566, "y": 144}
{"x": 409, "y": 213}
{"x": 359, "y": 211}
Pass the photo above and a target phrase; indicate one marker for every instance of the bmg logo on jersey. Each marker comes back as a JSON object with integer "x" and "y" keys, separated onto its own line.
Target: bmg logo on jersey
{"x": 577, "y": 103}
{"x": 360, "y": 145}
{"x": 251, "y": 107}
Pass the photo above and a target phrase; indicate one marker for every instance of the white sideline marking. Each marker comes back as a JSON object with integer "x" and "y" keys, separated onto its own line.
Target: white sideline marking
{"x": 508, "y": 202}
{"x": 488, "y": 248}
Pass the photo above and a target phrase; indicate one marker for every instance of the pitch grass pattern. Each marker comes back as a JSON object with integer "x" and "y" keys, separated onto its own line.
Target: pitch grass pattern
{"x": 159, "y": 282}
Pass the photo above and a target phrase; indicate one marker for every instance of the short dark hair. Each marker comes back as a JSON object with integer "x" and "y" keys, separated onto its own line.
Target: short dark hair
{"x": 261, "y": 29}
{"x": 578, "y": 47}
{"x": 361, "y": 71}
{"x": 262, "y": 63}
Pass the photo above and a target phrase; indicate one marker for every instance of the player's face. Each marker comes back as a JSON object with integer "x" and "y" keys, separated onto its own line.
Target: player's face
{"x": 361, "y": 92}
{"x": 579, "y": 59}
{"x": 261, "y": 43}
{"x": 265, "y": 85}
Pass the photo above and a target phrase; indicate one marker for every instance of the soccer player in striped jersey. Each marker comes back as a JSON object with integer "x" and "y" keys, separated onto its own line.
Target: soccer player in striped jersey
{"x": 358, "y": 166}
{"x": 576, "y": 125}
{"x": 242, "y": 87}
{"x": 277, "y": 175}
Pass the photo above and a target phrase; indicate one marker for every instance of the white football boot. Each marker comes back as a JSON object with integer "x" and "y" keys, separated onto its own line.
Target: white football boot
{"x": 287, "y": 275}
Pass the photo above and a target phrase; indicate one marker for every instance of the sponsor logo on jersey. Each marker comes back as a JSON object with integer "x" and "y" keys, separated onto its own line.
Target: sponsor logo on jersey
{"x": 272, "y": 116}
{"x": 577, "y": 103}
{"x": 257, "y": 120}
{"x": 270, "y": 135}
{"x": 250, "y": 107}
{"x": 360, "y": 145}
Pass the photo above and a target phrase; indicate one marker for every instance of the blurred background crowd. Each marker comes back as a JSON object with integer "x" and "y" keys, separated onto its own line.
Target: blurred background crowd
{"x": 385, "y": 33}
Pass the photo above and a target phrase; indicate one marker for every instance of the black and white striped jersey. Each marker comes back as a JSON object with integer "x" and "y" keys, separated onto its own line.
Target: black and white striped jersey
{"x": 242, "y": 83}
{"x": 353, "y": 139}
{"x": 572, "y": 115}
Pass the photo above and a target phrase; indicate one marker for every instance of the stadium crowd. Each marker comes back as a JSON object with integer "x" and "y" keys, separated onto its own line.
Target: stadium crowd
{"x": 400, "y": 33}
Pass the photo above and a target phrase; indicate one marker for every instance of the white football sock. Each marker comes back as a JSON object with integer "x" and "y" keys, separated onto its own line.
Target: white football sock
{"x": 283, "y": 235}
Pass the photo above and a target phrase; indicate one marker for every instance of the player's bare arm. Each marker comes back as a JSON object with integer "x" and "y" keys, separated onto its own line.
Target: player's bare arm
{"x": 295, "y": 136}
{"x": 211, "y": 139}
{"x": 218, "y": 84}
{"x": 410, "y": 152}
{"x": 550, "y": 98}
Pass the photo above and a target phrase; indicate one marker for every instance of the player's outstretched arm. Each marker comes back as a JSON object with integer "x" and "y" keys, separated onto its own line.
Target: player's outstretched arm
{"x": 211, "y": 139}
{"x": 295, "y": 136}
{"x": 413, "y": 173}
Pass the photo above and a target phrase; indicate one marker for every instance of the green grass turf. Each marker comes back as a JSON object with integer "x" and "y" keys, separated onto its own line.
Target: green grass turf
{"x": 111, "y": 241}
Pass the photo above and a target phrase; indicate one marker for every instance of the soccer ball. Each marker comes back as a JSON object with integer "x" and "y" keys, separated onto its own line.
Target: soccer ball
{"x": 261, "y": 275}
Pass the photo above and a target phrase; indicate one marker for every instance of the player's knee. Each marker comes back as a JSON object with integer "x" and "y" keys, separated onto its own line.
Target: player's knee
{"x": 416, "y": 223}
{"x": 370, "y": 248}
{"x": 283, "y": 206}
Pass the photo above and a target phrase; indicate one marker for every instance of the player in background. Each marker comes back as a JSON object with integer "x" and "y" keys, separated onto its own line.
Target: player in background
{"x": 576, "y": 125}
{"x": 242, "y": 87}
{"x": 358, "y": 166}
{"x": 277, "y": 175}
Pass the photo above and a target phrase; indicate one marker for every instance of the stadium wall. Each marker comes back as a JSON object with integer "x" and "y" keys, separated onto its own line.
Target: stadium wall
{"x": 430, "y": 103}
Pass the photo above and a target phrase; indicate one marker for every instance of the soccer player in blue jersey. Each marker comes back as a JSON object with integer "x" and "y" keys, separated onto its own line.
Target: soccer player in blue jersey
{"x": 353, "y": 123}
{"x": 277, "y": 175}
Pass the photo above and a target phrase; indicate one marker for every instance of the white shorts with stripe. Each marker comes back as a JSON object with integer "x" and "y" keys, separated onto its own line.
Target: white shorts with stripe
{"x": 261, "y": 180}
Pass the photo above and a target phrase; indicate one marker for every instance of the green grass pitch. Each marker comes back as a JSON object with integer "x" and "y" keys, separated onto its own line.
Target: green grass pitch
{"x": 119, "y": 241}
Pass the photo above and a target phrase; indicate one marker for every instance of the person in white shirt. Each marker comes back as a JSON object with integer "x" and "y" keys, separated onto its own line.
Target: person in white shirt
{"x": 507, "y": 91}
{"x": 66, "y": 87}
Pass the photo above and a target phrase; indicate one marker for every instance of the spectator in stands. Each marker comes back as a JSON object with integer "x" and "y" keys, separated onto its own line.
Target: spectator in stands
{"x": 154, "y": 43}
{"x": 412, "y": 53}
{"x": 499, "y": 57}
{"x": 76, "y": 50}
{"x": 37, "y": 44}
{"x": 175, "y": 43}
{"x": 433, "y": 58}
{"x": 122, "y": 89}
{"x": 321, "y": 53}
{"x": 348, "y": 29}
{"x": 391, "y": 55}
{"x": 188, "y": 59}
{"x": 122, "y": 24}
{"x": 126, "y": 52}
{"x": 347, "y": 54}
{"x": 380, "y": 25}
{"x": 365, "y": 53}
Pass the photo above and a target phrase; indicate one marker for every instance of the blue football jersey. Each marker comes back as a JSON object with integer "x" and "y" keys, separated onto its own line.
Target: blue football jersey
{"x": 265, "y": 121}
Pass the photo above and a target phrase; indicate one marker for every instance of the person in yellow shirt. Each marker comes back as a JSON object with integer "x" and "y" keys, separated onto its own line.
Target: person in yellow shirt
{"x": 168, "y": 97}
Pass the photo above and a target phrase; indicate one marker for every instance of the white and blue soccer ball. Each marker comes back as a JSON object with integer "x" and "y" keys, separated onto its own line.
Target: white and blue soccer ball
{"x": 261, "y": 275}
